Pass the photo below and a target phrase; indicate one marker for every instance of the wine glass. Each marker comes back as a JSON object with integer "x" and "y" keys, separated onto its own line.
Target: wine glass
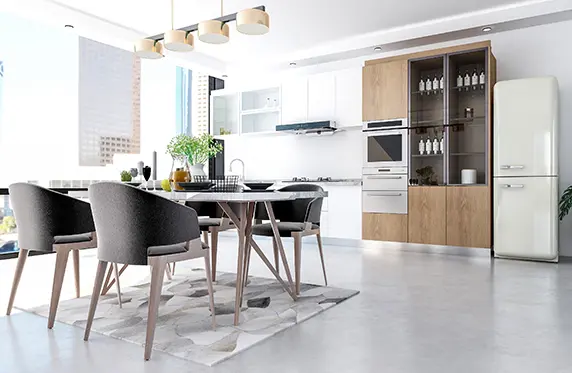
{"x": 147, "y": 175}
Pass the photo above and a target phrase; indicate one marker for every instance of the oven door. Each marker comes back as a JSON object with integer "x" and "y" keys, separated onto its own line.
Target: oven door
{"x": 386, "y": 148}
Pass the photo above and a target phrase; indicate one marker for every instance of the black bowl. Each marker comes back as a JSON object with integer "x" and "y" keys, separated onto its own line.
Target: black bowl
{"x": 196, "y": 186}
{"x": 259, "y": 186}
{"x": 132, "y": 183}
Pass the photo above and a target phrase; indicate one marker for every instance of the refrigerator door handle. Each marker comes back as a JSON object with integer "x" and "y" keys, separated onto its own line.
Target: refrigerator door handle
{"x": 512, "y": 167}
{"x": 513, "y": 186}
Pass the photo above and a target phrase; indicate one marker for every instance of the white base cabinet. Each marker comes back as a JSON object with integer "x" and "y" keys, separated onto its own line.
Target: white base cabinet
{"x": 342, "y": 217}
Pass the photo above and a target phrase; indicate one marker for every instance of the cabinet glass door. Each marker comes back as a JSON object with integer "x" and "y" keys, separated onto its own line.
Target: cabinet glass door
{"x": 427, "y": 82}
{"x": 224, "y": 115}
{"x": 467, "y": 118}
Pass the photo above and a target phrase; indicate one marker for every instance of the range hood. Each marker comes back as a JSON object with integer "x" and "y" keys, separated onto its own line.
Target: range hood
{"x": 315, "y": 128}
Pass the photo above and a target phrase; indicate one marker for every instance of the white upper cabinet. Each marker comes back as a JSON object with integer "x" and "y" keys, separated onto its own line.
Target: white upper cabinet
{"x": 295, "y": 100}
{"x": 348, "y": 97}
{"x": 321, "y": 96}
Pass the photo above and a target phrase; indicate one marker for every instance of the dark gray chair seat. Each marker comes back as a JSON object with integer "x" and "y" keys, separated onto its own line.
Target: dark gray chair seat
{"x": 170, "y": 249}
{"x": 285, "y": 228}
{"x": 73, "y": 238}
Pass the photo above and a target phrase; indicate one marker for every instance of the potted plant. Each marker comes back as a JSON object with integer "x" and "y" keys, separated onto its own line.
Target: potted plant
{"x": 565, "y": 202}
{"x": 425, "y": 175}
{"x": 193, "y": 152}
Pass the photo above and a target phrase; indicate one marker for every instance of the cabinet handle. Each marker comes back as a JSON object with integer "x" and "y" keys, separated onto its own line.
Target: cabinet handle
{"x": 385, "y": 194}
{"x": 513, "y": 186}
{"x": 385, "y": 177}
{"x": 383, "y": 170}
{"x": 511, "y": 167}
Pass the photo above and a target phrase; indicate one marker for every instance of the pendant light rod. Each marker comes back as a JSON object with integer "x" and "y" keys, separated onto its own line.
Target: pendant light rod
{"x": 195, "y": 27}
{"x": 172, "y": 14}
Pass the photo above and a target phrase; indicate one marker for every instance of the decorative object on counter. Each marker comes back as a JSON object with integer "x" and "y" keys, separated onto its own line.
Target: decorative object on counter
{"x": 222, "y": 184}
{"x": 166, "y": 185}
{"x": 146, "y": 176}
{"x": 126, "y": 176}
{"x": 140, "y": 165}
{"x": 134, "y": 173}
{"x": 413, "y": 182}
{"x": 469, "y": 113}
{"x": 468, "y": 176}
{"x": 252, "y": 21}
{"x": 426, "y": 175}
{"x": 223, "y": 131}
{"x": 154, "y": 165}
{"x": 565, "y": 203}
{"x": 180, "y": 175}
{"x": 259, "y": 186}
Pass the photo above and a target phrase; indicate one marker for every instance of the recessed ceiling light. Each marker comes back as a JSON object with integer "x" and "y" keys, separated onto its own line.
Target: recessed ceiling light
{"x": 225, "y": 76}
{"x": 377, "y": 49}
{"x": 487, "y": 29}
{"x": 292, "y": 63}
{"x": 68, "y": 26}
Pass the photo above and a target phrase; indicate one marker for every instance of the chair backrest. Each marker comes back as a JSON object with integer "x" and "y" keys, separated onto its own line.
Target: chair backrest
{"x": 307, "y": 210}
{"x": 129, "y": 220}
{"x": 41, "y": 214}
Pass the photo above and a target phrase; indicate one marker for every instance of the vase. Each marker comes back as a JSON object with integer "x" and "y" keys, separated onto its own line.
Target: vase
{"x": 198, "y": 170}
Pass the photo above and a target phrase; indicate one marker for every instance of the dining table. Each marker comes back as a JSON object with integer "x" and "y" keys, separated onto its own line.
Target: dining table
{"x": 242, "y": 215}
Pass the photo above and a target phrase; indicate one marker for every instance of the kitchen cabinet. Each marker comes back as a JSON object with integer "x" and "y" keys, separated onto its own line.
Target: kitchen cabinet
{"x": 321, "y": 96}
{"x": 295, "y": 100}
{"x": 427, "y": 215}
{"x": 385, "y": 90}
{"x": 344, "y": 211}
{"x": 348, "y": 100}
{"x": 468, "y": 216}
{"x": 384, "y": 227}
{"x": 224, "y": 114}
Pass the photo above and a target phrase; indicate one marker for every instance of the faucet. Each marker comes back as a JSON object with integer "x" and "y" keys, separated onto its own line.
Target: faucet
{"x": 237, "y": 160}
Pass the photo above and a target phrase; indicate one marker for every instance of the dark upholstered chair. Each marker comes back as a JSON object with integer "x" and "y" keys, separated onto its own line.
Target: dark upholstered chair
{"x": 211, "y": 220}
{"x": 49, "y": 221}
{"x": 297, "y": 218}
{"x": 136, "y": 227}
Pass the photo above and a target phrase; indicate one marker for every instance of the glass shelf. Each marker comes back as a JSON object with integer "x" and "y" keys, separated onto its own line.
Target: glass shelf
{"x": 426, "y": 155}
{"x": 468, "y": 154}
{"x": 430, "y": 92}
{"x": 472, "y": 88}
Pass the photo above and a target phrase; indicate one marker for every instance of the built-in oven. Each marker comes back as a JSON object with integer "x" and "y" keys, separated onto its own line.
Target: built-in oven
{"x": 386, "y": 143}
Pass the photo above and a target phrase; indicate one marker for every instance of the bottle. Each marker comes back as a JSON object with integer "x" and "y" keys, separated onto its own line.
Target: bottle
{"x": 428, "y": 85}
{"x": 441, "y": 143}
{"x": 467, "y": 81}
{"x": 268, "y": 103}
{"x": 421, "y": 146}
{"x": 482, "y": 78}
{"x": 435, "y": 145}
{"x": 435, "y": 83}
{"x": 428, "y": 145}
{"x": 441, "y": 83}
{"x": 475, "y": 78}
{"x": 459, "y": 80}
{"x": 421, "y": 85}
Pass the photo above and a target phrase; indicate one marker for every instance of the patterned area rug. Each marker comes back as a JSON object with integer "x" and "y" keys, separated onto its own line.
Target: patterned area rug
{"x": 184, "y": 324}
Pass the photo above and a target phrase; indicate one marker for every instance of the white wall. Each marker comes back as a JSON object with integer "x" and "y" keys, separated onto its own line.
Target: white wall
{"x": 535, "y": 51}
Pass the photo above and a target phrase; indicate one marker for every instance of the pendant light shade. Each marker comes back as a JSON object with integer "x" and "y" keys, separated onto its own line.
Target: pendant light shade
{"x": 213, "y": 32}
{"x": 252, "y": 22}
{"x": 148, "y": 48}
{"x": 179, "y": 41}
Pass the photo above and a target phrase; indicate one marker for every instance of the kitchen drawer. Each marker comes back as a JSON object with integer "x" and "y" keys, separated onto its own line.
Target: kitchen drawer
{"x": 384, "y": 182}
{"x": 384, "y": 202}
{"x": 384, "y": 170}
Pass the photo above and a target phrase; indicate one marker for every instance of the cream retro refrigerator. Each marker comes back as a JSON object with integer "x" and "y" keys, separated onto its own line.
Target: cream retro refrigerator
{"x": 525, "y": 173}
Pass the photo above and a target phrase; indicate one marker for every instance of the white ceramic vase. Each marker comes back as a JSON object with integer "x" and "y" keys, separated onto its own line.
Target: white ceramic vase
{"x": 197, "y": 170}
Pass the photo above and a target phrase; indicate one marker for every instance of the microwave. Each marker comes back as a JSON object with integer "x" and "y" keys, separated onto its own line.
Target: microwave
{"x": 386, "y": 143}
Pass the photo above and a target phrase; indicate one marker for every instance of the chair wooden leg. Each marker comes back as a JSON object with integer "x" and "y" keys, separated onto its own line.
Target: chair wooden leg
{"x": 168, "y": 272}
{"x": 97, "y": 285}
{"x": 173, "y": 269}
{"x": 214, "y": 252}
{"x": 117, "y": 285}
{"x": 106, "y": 282}
{"x": 22, "y": 256}
{"x": 157, "y": 273}
{"x": 319, "y": 238}
{"x": 62, "y": 255}
{"x": 297, "y": 261}
{"x": 210, "y": 287}
{"x": 276, "y": 258}
{"x": 206, "y": 237}
{"x": 76, "y": 272}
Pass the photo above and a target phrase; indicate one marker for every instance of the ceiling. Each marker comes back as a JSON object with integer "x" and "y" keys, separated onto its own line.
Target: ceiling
{"x": 295, "y": 24}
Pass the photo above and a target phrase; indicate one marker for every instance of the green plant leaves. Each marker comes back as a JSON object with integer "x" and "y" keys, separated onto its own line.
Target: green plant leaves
{"x": 196, "y": 149}
{"x": 565, "y": 202}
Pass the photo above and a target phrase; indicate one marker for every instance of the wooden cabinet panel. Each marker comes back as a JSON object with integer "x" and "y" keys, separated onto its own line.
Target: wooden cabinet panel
{"x": 385, "y": 90}
{"x": 384, "y": 227}
{"x": 427, "y": 215}
{"x": 469, "y": 216}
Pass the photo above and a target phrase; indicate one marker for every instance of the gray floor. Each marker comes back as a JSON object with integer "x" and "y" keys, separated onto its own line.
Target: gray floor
{"x": 417, "y": 312}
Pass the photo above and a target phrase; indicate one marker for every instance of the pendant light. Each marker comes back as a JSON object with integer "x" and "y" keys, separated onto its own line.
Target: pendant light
{"x": 214, "y": 31}
{"x": 178, "y": 40}
{"x": 149, "y": 49}
{"x": 253, "y": 22}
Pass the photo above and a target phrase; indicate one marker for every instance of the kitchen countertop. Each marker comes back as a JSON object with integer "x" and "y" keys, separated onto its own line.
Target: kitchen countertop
{"x": 335, "y": 182}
